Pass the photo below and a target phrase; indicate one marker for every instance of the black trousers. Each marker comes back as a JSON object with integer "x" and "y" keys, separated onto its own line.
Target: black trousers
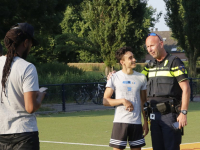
{"x": 20, "y": 141}
{"x": 164, "y": 137}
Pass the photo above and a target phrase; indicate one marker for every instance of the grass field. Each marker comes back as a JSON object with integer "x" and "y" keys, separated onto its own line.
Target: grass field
{"x": 94, "y": 127}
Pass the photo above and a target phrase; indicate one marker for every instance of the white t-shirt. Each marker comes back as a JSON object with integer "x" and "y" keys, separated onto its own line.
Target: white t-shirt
{"x": 128, "y": 87}
{"x": 13, "y": 116}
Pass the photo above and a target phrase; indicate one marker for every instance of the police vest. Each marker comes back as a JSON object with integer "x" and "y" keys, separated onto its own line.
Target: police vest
{"x": 161, "y": 81}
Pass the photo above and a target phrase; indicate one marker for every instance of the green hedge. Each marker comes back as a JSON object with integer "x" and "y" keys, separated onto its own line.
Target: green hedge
{"x": 101, "y": 66}
{"x": 58, "y": 73}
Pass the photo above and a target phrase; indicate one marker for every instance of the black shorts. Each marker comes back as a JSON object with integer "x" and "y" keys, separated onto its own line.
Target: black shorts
{"x": 123, "y": 131}
{"x": 20, "y": 141}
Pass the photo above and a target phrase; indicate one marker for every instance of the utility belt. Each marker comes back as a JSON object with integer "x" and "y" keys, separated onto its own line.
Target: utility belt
{"x": 170, "y": 106}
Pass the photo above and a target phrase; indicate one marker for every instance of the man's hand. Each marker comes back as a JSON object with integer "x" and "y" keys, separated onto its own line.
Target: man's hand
{"x": 110, "y": 74}
{"x": 145, "y": 128}
{"x": 33, "y": 100}
{"x": 128, "y": 105}
{"x": 40, "y": 96}
{"x": 182, "y": 119}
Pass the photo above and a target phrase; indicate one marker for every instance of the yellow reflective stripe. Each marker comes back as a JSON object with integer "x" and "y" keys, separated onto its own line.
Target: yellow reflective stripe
{"x": 172, "y": 73}
{"x": 146, "y": 68}
{"x": 164, "y": 73}
{"x": 174, "y": 68}
{"x": 166, "y": 62}
{"x": 158, "y": 69}
{"x": 160, "y": 73}
{"x": 152, "y": 74}
{"x": 178, "y": 73}
{"x": 185, "y": 71}
{"x": 144, "y": 72}
{"x": 151, "y": 69}
{"x": 178, "y": 68}
{"x": 183, "y": 80}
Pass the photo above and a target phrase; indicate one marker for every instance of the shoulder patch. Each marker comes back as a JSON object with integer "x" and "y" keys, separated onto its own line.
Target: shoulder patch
{"x": 182, "y": 68}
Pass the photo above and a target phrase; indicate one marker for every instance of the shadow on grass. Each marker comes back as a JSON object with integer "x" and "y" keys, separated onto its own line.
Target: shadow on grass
{"x": 193, "y": 106}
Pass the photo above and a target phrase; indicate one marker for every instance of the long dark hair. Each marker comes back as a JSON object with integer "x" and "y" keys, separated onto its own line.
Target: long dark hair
{"x": 12, "y": 40}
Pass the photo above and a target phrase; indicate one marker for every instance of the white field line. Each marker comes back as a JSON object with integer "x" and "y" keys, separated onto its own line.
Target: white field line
{"x": 80, "y": 144}
{"x": 191, "y": 143}
{"x": 73, "y": 143}
{"x": 98, "y": 144}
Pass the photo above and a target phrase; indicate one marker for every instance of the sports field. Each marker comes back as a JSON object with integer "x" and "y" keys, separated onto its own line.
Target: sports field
{"x": 91, "y": 130}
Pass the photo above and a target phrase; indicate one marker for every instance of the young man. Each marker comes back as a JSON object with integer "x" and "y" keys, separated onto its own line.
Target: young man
{"x": 19, "y": 87}
{"x": 130, "y": 90}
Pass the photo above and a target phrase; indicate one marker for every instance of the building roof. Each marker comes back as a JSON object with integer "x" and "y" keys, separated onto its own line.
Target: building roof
{"x": 169, "y": 42}
{"x": 170, "y": 46}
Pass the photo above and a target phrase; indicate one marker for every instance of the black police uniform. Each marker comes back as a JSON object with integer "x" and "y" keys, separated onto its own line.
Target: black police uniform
{"x": 162, "y": 87}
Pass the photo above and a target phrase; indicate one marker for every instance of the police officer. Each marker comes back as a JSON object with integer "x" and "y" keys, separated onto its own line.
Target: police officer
{"x": 167, "y": 88}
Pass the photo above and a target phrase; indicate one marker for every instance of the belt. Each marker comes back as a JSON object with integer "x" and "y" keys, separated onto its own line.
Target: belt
{"x": 163, "y": 108}
{"x": 154, "y": 109}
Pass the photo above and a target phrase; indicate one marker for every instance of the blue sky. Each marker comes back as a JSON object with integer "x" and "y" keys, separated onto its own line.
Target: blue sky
{"x": 160, "y": 6}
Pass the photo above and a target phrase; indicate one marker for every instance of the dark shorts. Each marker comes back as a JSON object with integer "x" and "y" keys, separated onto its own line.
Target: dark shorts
{"x": 123, "y": 131}
{"x": 164, "y": 136}
{"x": 20, "y": 141}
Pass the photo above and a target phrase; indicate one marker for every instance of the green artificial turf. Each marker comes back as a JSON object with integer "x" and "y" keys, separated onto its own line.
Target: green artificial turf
{"x": 94, "y": 127}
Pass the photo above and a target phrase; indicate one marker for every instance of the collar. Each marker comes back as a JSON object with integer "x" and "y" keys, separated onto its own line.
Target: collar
{"x": 160, "y": 62}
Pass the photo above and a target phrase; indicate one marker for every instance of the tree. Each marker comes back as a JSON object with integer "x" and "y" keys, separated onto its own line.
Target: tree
{"x": 183, "y": 19}
{"x": 72, "y": 19}
{"x": 82, "y": 48}
{"x": 68, "y": 47}
{"x": 112, "y": 24}
{"x": 45, "y": 16}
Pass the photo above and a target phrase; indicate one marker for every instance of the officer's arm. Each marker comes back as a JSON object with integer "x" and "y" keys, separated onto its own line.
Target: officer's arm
{"x": 182, "y": 119}
{"x": 143, "y": 98}
{"x": 185, "y": 95}
{"x": 110, "y": 74}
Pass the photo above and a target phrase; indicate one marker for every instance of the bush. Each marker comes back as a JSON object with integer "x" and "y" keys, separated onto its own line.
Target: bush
{"x": 89, "y": 66}
{"x": 59, "y": 73}
{"x": 101, "y": 66}
{"x": 56, "y": 68}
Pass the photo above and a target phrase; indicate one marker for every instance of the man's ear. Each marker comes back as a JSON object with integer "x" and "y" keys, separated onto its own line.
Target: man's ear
{"x": 26, "y": 42}
{"x": 121, "y": 62}
{"x": 161, "y": 44}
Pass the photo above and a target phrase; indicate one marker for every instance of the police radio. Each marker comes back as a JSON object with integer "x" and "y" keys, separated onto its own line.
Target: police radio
{"x": 152, "y": 64}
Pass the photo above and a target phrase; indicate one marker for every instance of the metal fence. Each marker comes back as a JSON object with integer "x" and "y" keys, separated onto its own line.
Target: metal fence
{"x": 195, "y": 89}
{"x": 60, "y": 96}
